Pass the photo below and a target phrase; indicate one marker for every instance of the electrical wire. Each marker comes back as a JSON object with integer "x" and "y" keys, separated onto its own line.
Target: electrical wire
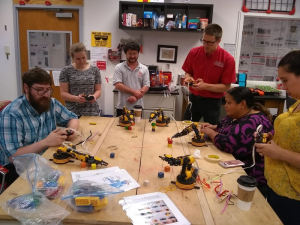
{"x": 258, "y": 129}
{"x": 190, "y": 103}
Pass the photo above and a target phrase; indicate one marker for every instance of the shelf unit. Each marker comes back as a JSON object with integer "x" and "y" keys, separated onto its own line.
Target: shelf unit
{"x": 191, "y": 10}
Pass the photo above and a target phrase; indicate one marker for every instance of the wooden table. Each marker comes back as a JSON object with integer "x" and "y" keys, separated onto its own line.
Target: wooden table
{"x": 137, "y": 151}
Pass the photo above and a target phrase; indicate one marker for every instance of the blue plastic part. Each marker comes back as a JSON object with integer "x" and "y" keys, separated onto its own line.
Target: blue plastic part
{"x": 50, "y": 184}
{"x": 242, "y": 78}
{"x": 112, "y": 155}
{"x": 87, "y": 209}
{"x": 100, "y": 196}
{"x": 161, "y": 174}
{"x": 107, "y": 115}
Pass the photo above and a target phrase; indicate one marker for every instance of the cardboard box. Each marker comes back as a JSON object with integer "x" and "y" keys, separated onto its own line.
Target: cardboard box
{"x": 192, "y": 26}
{"x": 153, "y": 21}
{"x": 148, "y": 14}
{"x": 128, "y": 19}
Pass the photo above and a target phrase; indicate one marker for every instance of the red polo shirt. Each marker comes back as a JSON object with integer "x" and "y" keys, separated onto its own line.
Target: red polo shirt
{"x": 215, "y": 68}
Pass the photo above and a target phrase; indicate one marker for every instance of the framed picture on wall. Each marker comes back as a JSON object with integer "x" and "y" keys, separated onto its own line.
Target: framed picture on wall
{"x": 167, "y": 53}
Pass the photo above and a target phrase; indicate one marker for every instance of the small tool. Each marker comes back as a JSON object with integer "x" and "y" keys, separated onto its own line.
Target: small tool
{"x": 88, "y": 97}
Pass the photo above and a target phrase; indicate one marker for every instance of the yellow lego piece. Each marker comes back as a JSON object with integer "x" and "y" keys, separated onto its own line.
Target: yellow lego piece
{"x": 103, "y": 203}
{"x": 93, "y": 166}
{"x": 61, "y": 180}
{"x": 93, "y": 123}
{"x": 97, "y": 158}
{"x": 82, "y": 201}
{"x": 39, "y": 184}
{"x": 95, "y": 201}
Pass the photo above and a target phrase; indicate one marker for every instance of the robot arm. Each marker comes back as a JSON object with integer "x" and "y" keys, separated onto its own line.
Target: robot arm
{"x": 172, "y": 161}
{"x": 154, "y": 114}
{"x": 199, "y": 135}
{"x": 162, "y": 119}
{"x": 81, "y": 156}
{"x": 187, "y": 130}
{"x": 184, "y": 161}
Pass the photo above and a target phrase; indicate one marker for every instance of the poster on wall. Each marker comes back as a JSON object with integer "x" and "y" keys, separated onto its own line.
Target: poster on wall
{"x": 101, "y": 39}
{"x": 48, "y": 49}
{"x": 264, "y": 42}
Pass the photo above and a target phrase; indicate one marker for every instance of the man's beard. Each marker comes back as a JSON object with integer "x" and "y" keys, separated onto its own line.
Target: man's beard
{"x": 132, "y": 60}
{"x": 41, "y": 105}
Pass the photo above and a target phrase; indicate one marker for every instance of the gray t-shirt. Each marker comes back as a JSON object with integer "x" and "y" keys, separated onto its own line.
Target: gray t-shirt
{"x": 135, "y": 79}
{"x": 81, "y": 82}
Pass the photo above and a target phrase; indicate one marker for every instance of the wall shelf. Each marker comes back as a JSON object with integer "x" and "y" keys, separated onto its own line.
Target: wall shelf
{"x": 191, "y": 10}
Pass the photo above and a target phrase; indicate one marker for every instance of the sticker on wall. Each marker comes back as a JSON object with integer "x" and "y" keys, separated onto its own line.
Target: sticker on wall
{"x": 101, "y": 39}
{"x": 100, "y": 64}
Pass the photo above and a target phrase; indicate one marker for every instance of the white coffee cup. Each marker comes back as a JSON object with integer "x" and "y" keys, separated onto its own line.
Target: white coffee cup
{"x": 137, "y": 113}
{"x": 246, "y": 190}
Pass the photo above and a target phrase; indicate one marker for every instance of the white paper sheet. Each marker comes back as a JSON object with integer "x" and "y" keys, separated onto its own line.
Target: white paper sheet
{"x": 230, "y": 48}
{"x": 152, "y": 208}
{"x": 55, "y": 75}
{"x": 120, "y": 178}
{"x": 99, "y": 53}
{"x": 82, "y": 174}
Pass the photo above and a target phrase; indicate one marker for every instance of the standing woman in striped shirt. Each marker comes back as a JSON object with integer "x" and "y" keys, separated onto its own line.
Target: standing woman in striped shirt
{"x": 79, "y": 79}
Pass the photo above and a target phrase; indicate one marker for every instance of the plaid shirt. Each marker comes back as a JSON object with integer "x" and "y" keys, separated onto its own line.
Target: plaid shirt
{"x": 21, "y": 125}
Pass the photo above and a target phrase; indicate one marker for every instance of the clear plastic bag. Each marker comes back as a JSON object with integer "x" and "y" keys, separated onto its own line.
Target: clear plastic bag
{"x": 89, "y": 196}
{"x": 34, "y": 209}
{"x": 40, "y": 175}
{"x": 170, "y": 24}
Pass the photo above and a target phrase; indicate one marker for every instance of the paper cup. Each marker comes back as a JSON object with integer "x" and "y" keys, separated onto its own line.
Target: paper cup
{"x": 246, "y": 190}
{"x": 137, "y": 113}
{"x": 137, "y": 119}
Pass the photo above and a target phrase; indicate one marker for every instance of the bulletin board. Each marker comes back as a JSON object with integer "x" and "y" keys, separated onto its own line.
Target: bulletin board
{"x": 49, "y": 49}
{"x": 265, "y": 40}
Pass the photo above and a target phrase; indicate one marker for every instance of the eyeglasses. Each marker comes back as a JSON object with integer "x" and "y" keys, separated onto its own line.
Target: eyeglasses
{"x": 133, "y": 54}
{"x": 209, "y": 43}
{"x": 43, "y": 91}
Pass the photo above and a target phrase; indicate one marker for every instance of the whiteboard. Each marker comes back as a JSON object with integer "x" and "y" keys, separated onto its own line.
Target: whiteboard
{"x": 49, "y": 50}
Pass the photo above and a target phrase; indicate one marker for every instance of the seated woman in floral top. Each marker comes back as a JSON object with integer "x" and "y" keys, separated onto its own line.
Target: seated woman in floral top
{"x": 234, "y": 134}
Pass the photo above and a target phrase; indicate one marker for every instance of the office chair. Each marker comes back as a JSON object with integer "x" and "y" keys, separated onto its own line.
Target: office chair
{"x": 3, "y": 172}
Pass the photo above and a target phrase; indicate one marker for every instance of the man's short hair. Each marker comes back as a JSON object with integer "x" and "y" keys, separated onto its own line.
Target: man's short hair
{"x": 131, "y": 46}
{"x": 214, "y": 30}
{"x": 36, "y": 75}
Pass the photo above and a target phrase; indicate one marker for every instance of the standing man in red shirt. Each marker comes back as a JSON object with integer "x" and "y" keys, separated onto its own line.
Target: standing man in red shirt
{"x": 212, "y": 69}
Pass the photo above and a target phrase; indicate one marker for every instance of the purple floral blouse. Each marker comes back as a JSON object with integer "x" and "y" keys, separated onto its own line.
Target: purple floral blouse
{"x": 236, "y": 137}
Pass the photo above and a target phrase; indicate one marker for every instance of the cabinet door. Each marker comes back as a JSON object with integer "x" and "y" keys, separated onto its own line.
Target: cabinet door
{"x": 155, "y": 101}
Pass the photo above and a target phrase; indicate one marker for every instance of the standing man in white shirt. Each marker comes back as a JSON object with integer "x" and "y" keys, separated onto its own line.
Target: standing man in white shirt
{"x": 131, "y": 78}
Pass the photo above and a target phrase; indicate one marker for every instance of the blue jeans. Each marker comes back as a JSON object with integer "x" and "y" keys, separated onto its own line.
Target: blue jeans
{"x": 208, "y": 108}
{"x": 286, "y": 209}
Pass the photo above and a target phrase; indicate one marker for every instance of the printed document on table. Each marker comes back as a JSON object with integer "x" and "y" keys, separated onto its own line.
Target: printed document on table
{"x": 151, "y": 208}
{"x": 83, "y": 174}
{"x": 120, "y": 179}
